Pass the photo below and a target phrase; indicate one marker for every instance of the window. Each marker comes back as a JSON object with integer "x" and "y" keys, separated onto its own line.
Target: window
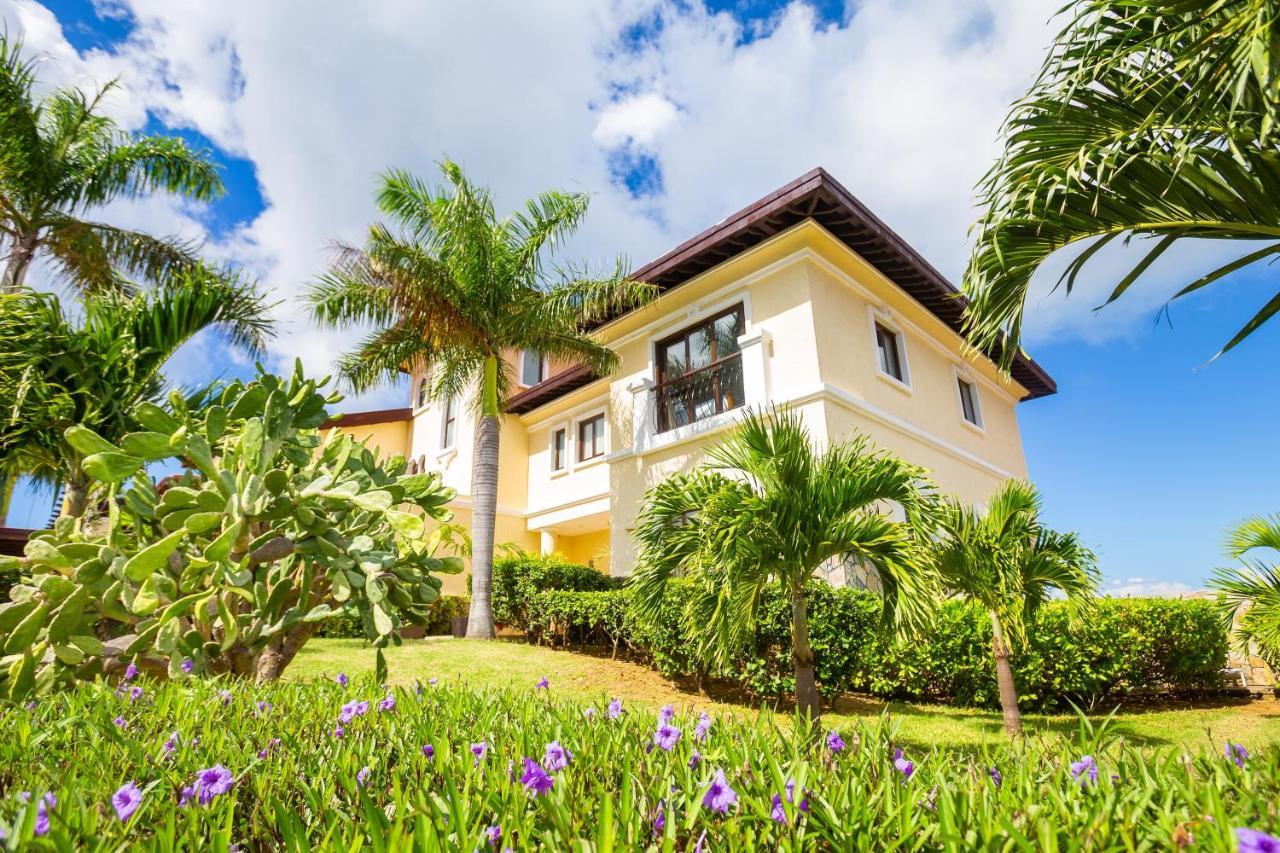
{"x": 423, "y": 388}
{"x": 889, "y": 351}
{"x": 531, "y": 368}
{"x": 450, "y": 425}
{"x": 591, "y": 438}
{"x": 558, "y": 439}
{"x": 700, "y": 371}
{"x": 969, "y": 402}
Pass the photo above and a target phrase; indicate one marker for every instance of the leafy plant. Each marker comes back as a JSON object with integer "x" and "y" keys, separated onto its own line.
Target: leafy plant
{"x": 1250, "y": 602}
{"x": 518, "y": 578}
{"x": 231, "y": 564}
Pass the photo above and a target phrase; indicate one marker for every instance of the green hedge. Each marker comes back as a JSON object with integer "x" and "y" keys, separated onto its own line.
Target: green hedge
{"x": 348, "y": 625}
{"x": 516, "y": 580}
{"x": 1126, "y": 647}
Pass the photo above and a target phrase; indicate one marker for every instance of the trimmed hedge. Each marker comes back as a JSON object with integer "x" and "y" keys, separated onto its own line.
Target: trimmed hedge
{"x": 1125, "y": 648}
{"x": 348, "y": 625}
{"x": 517, "y": 580}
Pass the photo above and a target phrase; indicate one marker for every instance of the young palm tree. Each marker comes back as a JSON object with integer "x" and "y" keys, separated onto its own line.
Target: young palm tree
{"x": 59, "y": 159}
{"x": 56, "y": 372}
{"x": 1251, "y": 594}
{"x": 1155, "y": 119}
{"x": 453, "y": 290}
{"x": 1008, "y": 562}
{"x": 768, "y": 508}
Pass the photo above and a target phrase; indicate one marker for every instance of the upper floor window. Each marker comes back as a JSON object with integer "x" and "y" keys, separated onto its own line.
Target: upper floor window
{"x": 969, "y": 406}
{"x": 449, "y": 427}
{"x": 532, "y": 368}
{"x": 558, "y": 439}
{"x": 424, "y": 388}
{"x": 889, "y": 352}
{"x": 700, "y": 371}
{"x": 591, "y": 438}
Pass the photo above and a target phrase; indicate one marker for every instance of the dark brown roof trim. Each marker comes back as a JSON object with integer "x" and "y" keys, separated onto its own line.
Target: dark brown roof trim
{"x": 551, "y": 388}
{"x": 817, "y": 196}
{"x": 382, "y": 416}
{"x": 13, "y": 540}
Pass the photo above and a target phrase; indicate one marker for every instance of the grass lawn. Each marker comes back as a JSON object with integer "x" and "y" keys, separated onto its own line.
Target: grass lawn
{"x": 516, "y": 664}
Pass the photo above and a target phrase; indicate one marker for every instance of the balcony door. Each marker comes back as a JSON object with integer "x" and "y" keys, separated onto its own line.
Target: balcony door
{"x": 700, "y": 370}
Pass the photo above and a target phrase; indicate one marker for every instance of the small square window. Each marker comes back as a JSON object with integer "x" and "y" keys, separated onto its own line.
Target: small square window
{"x": 969, "y": 402}
{"x": 591, "y": 438}
{"x": 889, "y": 352}
{"x": 558, "y": 439}
{"x": 531, "y": 368}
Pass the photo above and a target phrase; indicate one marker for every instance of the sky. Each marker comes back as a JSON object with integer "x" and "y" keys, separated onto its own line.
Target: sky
{"x": 674, "y": 113}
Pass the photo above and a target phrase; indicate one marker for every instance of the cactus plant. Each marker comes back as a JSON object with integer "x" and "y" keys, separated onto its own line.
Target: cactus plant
{"x": 269, "y": 529}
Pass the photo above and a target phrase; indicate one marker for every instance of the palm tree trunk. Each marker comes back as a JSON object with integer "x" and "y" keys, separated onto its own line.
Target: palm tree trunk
{"x": 808, "y": 699}
{"x": 484, "y": 507}
{"x": 8, "y": 483}
{"x": 15, "y": 271}
{"x": 1004, "y": 678}
{"x": 77, "y": 494}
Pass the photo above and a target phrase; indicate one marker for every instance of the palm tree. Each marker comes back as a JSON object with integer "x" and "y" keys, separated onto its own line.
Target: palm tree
{"x": 1156, "y": 119}
{"x": 1251, "y": 594}
{"x": 768, "y": 508}
{"x": 59, "y": 159}
{"x": 1008, "y": 562}
{"x": 453, "y": 290}
{"x": 56, "y": 372}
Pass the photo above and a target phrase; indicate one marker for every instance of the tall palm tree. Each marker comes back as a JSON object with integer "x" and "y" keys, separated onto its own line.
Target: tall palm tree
{"x": 766, "y": 507}
{"x": 1251, "y": 593}
{"x": 1156, "y": 119}
{"x": 56, "y": 372}
{"x": 453, "y": 289}
{"x": 1008, "y": 562}
{"x": 60, "y": 158}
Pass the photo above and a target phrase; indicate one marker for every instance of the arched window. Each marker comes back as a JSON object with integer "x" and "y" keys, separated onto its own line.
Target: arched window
{"x": 423, "y": 389}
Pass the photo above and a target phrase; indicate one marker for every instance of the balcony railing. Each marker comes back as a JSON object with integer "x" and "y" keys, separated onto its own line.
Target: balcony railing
{"x": 705, "y": 392}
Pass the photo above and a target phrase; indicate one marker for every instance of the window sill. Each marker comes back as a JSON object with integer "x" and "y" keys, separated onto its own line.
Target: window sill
{"x": 978, "y": 428}
{"x": 444, "y": 457}
{"x": 589, "y": 463}
{"x": 894, "y": 381}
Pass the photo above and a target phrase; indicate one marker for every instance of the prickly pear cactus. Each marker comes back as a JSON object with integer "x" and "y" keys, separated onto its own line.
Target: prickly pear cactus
{"x": 227, "y": 567}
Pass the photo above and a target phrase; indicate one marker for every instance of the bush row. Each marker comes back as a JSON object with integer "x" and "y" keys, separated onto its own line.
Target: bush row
{"x": 1124, "y": 648}
{"x": 348, "y": 625}
{"x": 517, "y": 579}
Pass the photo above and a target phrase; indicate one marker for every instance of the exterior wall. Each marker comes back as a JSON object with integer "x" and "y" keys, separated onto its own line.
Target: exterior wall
{"x": 390, "y": 438}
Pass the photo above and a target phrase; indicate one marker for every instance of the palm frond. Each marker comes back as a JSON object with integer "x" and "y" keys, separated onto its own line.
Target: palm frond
{"x": 1259, "y": 531}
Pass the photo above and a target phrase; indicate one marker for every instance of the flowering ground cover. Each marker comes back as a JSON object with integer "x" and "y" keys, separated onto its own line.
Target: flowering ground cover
{"x": 347, "y": 763}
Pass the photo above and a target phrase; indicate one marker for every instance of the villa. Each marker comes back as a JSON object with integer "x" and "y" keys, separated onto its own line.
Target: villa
{"x": 803, "y": 299}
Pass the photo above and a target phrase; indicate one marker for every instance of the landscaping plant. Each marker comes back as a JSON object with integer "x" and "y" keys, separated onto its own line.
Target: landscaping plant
{"x": 767, "y": 508}
{"x": 1250, "y": 602}
{"x": 346, "y": 765}
{"x": 227, "y": 567}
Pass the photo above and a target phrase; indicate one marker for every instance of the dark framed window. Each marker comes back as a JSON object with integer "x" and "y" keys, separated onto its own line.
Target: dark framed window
{"x": 591, "y": 438}
{"x": 889, "y": 351}
{"x": 969, "y": 402}
{"x": 423, "y": 388}
{"x": 700, "y": 370}
{"x": 450, "y": 425}
{"x": 532, "y": 368}
{"x": 558, "y": 439}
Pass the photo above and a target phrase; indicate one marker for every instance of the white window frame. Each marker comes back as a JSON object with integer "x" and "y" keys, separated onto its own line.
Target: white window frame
{"x": 445, "y": 410}
{"x": 577, "y": 431}
{"x": 961, "y": 374}
{"x": 546, "y": 369}
{"x": 568, "y": 449}
{"x": 877, "y": 317}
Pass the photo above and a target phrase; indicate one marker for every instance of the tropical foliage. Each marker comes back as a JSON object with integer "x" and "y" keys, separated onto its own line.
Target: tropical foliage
{"x": 1007, "y": 561}
{"x": 1155, "y": 119}
{"x": 322, "y": 765}
{"x": 452, "y": 290}
{"x": 228, "y": 566}
{"x": 1251, "y": 592}
{"x": 60, "y": 159}
{"x": 768, "y": 508}
{"x": 93, "y": 369}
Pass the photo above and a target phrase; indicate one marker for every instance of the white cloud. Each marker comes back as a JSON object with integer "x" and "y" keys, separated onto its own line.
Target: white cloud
{"x": 1144, "y": 587}
{"x": 635, "y": 120}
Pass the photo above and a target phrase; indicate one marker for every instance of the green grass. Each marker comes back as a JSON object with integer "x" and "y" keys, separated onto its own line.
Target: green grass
{"x": 517, "y": 664}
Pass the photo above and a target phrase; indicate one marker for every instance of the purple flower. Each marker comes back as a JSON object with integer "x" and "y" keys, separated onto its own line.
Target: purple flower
{"x": 719, "y": 796}
{"x": 121, "y": 722}
{"x": 615, "y": 709}
{"x": 171, "y": 745}
{"x": 542, "y": 684}
{"x": 589, "y": 712}
{"x": 1237, "y": 753}
{"x": 187, "y": 665}
{"x": 362, "y": 776}
{"x": 387, "y": 704}
{"x": 1085, "y": 771}
{"x": 225, "y": 696}
{"x": 478, "y": 750}
{"x": 338, "y": 730}
{"x": 779, "y": 813}
{"x": 666, "y": 736}
{"x": 906, "y": 768}
{"x": 341, "y": 679}
{"x": 131, "y": 671}
{"x": 1256, "y": 841}
{"x": 264, "y": 707}
{"x": 791, "y": 793}
{"x": 994, "y": 773}
{"x": 535, "y": 779}
{"x": 212, "y": 782}
{"x": 432, "y": 681}
{"x": 429, "y": 751}
{"x": 659, "y": 819}
{"x": 494, "y": 834}
{"x": 188, "y": 794}
{"x": 694, "y": 759}
{"x": 351, "y": 710}
{"x": 835, "y": 743}
{"x": 47, "y": 802}
{"x": 556, "y": 757}
{"x": 126, "y": 800}
{"x": 135, "y": 694}
{"x": 666, "y": 714}
{"x": 704, "y": 726}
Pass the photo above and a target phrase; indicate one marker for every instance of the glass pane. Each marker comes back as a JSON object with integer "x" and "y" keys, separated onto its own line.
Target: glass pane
{"x": 731, "y": 393}
{"x": 699, "y": 348}
{"x": 530, "y": 368}
{"x": 675, "y": 411}
{"x": 727, "y": 329}
{"x": 674, "y": 365}
{"x": 704, "y": 394}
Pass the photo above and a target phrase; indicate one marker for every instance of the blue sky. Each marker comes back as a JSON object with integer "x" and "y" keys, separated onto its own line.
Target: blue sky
{"x": 675, "y": 116}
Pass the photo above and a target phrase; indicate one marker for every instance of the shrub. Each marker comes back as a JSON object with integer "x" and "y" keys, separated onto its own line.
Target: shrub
{"x": 1124, "y": 648}
{"x": 291, "y": 784}
{"x": 517, "y": 579}
{"x": 349, "y": 625}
